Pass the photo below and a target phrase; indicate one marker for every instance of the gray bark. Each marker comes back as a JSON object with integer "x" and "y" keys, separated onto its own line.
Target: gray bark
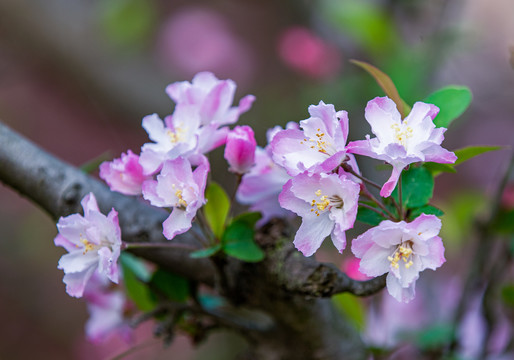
{"x": 288, "y": 289}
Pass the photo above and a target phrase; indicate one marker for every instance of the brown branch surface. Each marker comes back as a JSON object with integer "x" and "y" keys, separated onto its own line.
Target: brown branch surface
{"x": 286, "y": 285}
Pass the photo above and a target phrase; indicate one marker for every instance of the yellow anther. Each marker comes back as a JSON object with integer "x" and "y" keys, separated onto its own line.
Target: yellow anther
{"x": 87, "y": 245}
{"x": 322, "y": 205}
{"x": 175, "y": 136}
{"x": 403, "y": 252}
{"x": 318, "y": 193}
{"x": 402, "y": 136}
{"x": 181, "y": 201}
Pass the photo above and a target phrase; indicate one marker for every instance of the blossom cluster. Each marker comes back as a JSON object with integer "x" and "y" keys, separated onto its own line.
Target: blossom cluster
{"x": 171, "y": 171}
{"x": 312, "y": 170}
{"x": 307, "y": 168}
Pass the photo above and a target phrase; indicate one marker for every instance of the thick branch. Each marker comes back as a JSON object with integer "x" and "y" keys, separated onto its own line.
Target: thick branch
{"x": 58, "y": 188}
{"x": 285, "y": 285}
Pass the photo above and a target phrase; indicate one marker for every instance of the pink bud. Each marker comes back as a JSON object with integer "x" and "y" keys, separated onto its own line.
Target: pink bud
{"x": 240, "y": 149}
{"x": 124, "y": 175}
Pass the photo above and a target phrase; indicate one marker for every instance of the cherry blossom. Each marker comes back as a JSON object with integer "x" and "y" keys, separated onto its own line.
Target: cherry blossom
{"x": 327, "y": 204}
{"x": 261, "y": 186}
{"x": 106, "y": 307}
{"x": 402, "y": 250}
{"x": 196, "y": 125}
{"x": 93, "y": 243}
{"x": 318, "y": 147}
{"x": 401, "y": 142}
{"x": 181, "y": 188}
{"x": 176, "y": 136}
{"x": 212, "y": 98}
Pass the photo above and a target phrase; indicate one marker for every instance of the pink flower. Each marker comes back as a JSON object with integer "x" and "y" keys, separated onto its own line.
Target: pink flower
{"x": 401, "y": 249}
{"x": 176, "y": 136}
{"x": 401, "y": 143}
{"x": 318, "y": 147}
{"x": 124, "y": 175}
{"x": 196, "y": 125}
{"x": 327, "y": 204}
{"x": 180, "y": 187}
{"x": 106, "y": 306}
{"x": 240, "y": 149}
{"x": 261, "y": 185}
{"x": 93, "y": 242}
{"x": 351, "y": 267}
{"x": 211, "y": 97}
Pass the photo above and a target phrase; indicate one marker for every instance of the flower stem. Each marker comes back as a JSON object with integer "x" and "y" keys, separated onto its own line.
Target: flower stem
{"x": 373, "y": 209}
{"x": 400, "y": 200}
{"x": 370, "y": 196}
{"x": 348, "y": 169}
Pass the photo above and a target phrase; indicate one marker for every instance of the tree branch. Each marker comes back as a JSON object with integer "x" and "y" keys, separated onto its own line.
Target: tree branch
{"x": 58, "y": 187}
{"x": 286, "y": 285}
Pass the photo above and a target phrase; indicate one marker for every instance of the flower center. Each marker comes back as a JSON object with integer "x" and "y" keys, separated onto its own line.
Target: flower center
{"x": 88, "y": 246}
{"x": 175, "y": 136}
{"x": 181, "y": 203}
{"x": 404, "y": 253}
{"x": 318, "y": 143}
{"x": 325, "y": 201}
{"x": 402, "y": 133}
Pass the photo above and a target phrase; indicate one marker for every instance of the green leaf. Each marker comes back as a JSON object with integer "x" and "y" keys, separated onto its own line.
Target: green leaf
{"x": 173, "y": 286}
{"x": 351, "y": 307}
{"x": 386, "y": 84}
{"x": 135, "y": 265}
{"x": 202, "y": 253}
{"x": 93, "y": 164}
{"x": 463, "y": 155}
{"x": 417, "y": 187}
{"x": 504, "y": 222}
{"x": 216, "y": 209}
{"x": 436, "y": 168}
{"x": 250, "y": 218}
{"x": 427, "y": 209}
{"x": 134, "y": 278}
{"x": 238, "y": 241}
{"x": 367, "y": 216}
{"x": 452, "y": 101}
{"x": 470, "y": 152}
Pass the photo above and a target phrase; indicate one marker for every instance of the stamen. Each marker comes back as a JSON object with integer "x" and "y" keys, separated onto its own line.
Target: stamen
{"x": 88, "y": 246}
{"x": 181, "y": 202}
{"x": 175, "y": 136}
{"x": 325, "y": 202}
{"x": 403, "y": 252}
{"x": 402, "y": 136}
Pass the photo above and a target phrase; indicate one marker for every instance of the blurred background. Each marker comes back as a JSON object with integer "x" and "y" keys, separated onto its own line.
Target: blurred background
{"x": 76, "y": 77}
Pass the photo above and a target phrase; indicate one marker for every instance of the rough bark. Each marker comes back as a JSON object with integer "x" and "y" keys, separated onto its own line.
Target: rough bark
{"x": 287, "y": 288}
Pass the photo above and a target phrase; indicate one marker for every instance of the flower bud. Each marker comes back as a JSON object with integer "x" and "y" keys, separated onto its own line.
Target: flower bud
{"x": 124, "y": 175}
{"x": 240, "y": 149}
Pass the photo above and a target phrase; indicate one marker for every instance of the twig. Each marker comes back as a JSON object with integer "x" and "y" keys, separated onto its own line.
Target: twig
{"x": 372, "y": 209}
